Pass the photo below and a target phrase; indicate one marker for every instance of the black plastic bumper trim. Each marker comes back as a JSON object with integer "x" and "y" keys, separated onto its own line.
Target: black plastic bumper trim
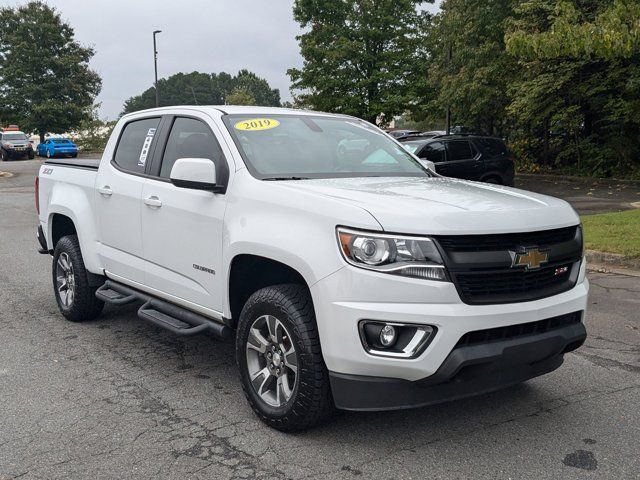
{"x": 467, "y": 371}
{"x": 42, "y": 241}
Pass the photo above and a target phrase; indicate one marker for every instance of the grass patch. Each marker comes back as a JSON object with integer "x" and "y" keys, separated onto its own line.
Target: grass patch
{"x": 617, "y": 232}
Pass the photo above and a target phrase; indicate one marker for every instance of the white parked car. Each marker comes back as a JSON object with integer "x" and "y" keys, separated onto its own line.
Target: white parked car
{"x": 361, "y": 281}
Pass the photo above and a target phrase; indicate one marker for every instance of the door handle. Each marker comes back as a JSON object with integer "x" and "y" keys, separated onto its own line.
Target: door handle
{"x": 105, "y": 191}
{"x": 153, "y": 201}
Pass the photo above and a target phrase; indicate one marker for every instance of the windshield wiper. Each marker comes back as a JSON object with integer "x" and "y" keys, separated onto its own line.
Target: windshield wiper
{"x": 271, "y": 179}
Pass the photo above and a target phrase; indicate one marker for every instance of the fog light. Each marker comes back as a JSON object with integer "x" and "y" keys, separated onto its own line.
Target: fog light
{"x": 387, "y": 335}
{"x": 394, "y": 339}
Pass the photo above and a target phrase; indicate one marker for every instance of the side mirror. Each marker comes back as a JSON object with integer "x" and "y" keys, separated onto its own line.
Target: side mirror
{"x": 428, "y": 164}
{"x": 195, "y": 173}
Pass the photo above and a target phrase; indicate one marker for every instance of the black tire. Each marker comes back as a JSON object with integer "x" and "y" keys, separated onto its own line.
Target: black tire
{"x": 74, "y": 155}
{"x": 311, "y": 402}
{"x": 31, "y": 155}
{"x": 3, "y": 156}
{"x": 84, "y": 305}
{"x": 493, "y": 180}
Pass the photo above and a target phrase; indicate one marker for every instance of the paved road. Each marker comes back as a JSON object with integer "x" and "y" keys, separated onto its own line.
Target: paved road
{"x": 587, "y": 196}
{"x": 117, "y": 398}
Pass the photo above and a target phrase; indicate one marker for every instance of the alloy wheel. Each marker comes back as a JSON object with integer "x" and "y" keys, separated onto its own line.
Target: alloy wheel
{"x": 65, "y": 280}
{"x": 272, "y": 361}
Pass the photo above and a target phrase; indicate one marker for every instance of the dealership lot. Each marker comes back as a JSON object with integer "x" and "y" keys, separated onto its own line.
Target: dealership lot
{"x": 117, "y": 398}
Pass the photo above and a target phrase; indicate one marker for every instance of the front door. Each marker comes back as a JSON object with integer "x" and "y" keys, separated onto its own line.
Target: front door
{"x": 182, "y": 228}
{"x": 463, "y": 161}
{"x": 118, "y": 193}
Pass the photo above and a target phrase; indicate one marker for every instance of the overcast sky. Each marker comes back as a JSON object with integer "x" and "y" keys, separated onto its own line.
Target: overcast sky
{"x": 203, "y": 35}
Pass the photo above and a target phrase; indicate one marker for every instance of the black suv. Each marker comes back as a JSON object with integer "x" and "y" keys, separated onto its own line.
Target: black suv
{"x": 472, "y": 157}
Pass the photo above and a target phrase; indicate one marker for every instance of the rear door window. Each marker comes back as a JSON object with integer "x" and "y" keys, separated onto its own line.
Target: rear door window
{"x": 460, "y": 150}
{"x": 134, "y": 147}
{"x": 491, "y": 146}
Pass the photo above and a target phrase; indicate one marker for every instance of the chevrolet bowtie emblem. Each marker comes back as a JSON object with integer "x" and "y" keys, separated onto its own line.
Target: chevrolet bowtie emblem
{"x": 530, "y": 258}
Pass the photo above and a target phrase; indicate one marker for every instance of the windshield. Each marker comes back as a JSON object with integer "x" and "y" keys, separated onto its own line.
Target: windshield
{"x": 281, "y": 147}
{"x": 12, "y": 137}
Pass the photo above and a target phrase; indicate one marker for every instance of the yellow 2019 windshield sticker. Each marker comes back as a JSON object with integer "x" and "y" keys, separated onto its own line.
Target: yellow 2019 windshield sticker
{"x": 255, "y": 124}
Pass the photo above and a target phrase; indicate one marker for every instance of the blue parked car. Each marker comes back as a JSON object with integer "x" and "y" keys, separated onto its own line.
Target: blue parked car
{"x": 57, "y": 147}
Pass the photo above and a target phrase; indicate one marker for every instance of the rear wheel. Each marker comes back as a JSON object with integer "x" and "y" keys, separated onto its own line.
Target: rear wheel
{"x": 278, "y": 353}
{"x": 75, "y": 297}
{"x": 494, "y": 180}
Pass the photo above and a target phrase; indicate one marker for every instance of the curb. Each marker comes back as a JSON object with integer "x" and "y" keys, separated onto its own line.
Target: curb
{"x": 549, "y": 176}
{"x": 613, "y": 260}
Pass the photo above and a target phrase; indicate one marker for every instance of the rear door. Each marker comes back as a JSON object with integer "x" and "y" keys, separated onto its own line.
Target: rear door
{"x": 182, "y": 228}
{"x": 118, "y": 196}
{"x": 463, "y": 160}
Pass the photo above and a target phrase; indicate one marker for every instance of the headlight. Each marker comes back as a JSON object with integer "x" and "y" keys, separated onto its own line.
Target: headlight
{"x": 8, "y": 145}
{"x": 416, "y": 257}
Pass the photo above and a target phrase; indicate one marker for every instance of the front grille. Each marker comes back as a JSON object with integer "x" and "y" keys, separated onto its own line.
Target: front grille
{"x": 481, "y": 267}
{"x": 510, "y": 241}
{"x": 512, "y": 285}
{"x": 516, "y": 331}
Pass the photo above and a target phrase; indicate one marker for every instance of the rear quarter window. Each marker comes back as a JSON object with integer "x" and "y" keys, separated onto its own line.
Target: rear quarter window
{"x": 491, "y": 146}
{"x": 134, "y": 145}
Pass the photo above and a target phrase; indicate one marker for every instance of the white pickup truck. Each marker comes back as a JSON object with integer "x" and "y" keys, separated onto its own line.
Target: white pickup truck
{"x": 349, "y": 275}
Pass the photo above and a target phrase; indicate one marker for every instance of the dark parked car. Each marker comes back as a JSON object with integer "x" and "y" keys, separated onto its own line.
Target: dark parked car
{"x": 471, "y": 157}
{"x": 402, "y": 133}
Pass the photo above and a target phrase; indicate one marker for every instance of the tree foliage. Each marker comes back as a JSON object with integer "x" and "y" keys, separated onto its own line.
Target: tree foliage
{"x": 46, "y": 84}
{"x": 559, "y": 79}
{"x": 360, "y": 56}
{"x": 614, "y": 32}
{"x": 469, "y": 68}
{"x": 197, "y": 88}
{"x": 579, "y": 86}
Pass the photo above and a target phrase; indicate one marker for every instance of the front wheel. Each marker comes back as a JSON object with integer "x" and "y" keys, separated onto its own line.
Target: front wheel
{"x": 278, "y": 353}
{"x": 3, "y": 156}
{"x": 48, "y": 153}
{"x": 75, "y": 297}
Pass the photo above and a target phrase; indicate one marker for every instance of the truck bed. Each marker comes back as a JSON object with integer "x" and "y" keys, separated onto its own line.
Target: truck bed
{"x": 90, "y": 163}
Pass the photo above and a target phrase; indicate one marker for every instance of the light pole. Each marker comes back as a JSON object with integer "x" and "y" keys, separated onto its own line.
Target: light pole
{"x": 155, "y": 65}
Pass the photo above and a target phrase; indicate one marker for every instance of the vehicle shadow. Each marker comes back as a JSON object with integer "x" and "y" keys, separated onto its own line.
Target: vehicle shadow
{"x": 206, "y": 367}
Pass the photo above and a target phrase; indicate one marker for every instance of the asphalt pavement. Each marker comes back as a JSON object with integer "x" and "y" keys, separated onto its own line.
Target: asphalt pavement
{"x": 118, "y": 398}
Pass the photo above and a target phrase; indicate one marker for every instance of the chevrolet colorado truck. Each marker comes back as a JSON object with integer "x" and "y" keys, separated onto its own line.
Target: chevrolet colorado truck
{"x": 351, "y": 278}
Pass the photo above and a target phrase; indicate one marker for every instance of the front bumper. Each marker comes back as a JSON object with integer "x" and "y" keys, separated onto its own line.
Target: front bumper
{"x": 18, "y": 153}
{"x": 351, "y": 294}
{"x": 468, "y": 370}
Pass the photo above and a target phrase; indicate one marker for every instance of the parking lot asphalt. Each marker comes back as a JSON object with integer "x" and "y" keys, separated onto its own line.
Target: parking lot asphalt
{"x": 588, "y": 196}
{"x": 118, "y": 398}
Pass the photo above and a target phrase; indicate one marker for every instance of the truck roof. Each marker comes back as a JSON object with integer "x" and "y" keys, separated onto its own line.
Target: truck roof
{"x": 239, "y": 109}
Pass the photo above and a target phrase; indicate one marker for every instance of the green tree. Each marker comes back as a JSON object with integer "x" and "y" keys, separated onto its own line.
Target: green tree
{"x": 197, "y": 88}
{"x": 469, "y": 68}
{"x": 93, "y": 133}
{"x": 240, "y": 96}
{"x": 46, "y": 84}
{"x": 360, "y": 56}
{"x": 579, "y": 82}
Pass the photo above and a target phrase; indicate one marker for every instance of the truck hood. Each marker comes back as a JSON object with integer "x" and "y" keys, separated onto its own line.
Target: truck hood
{"x": 442, "y": 205}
